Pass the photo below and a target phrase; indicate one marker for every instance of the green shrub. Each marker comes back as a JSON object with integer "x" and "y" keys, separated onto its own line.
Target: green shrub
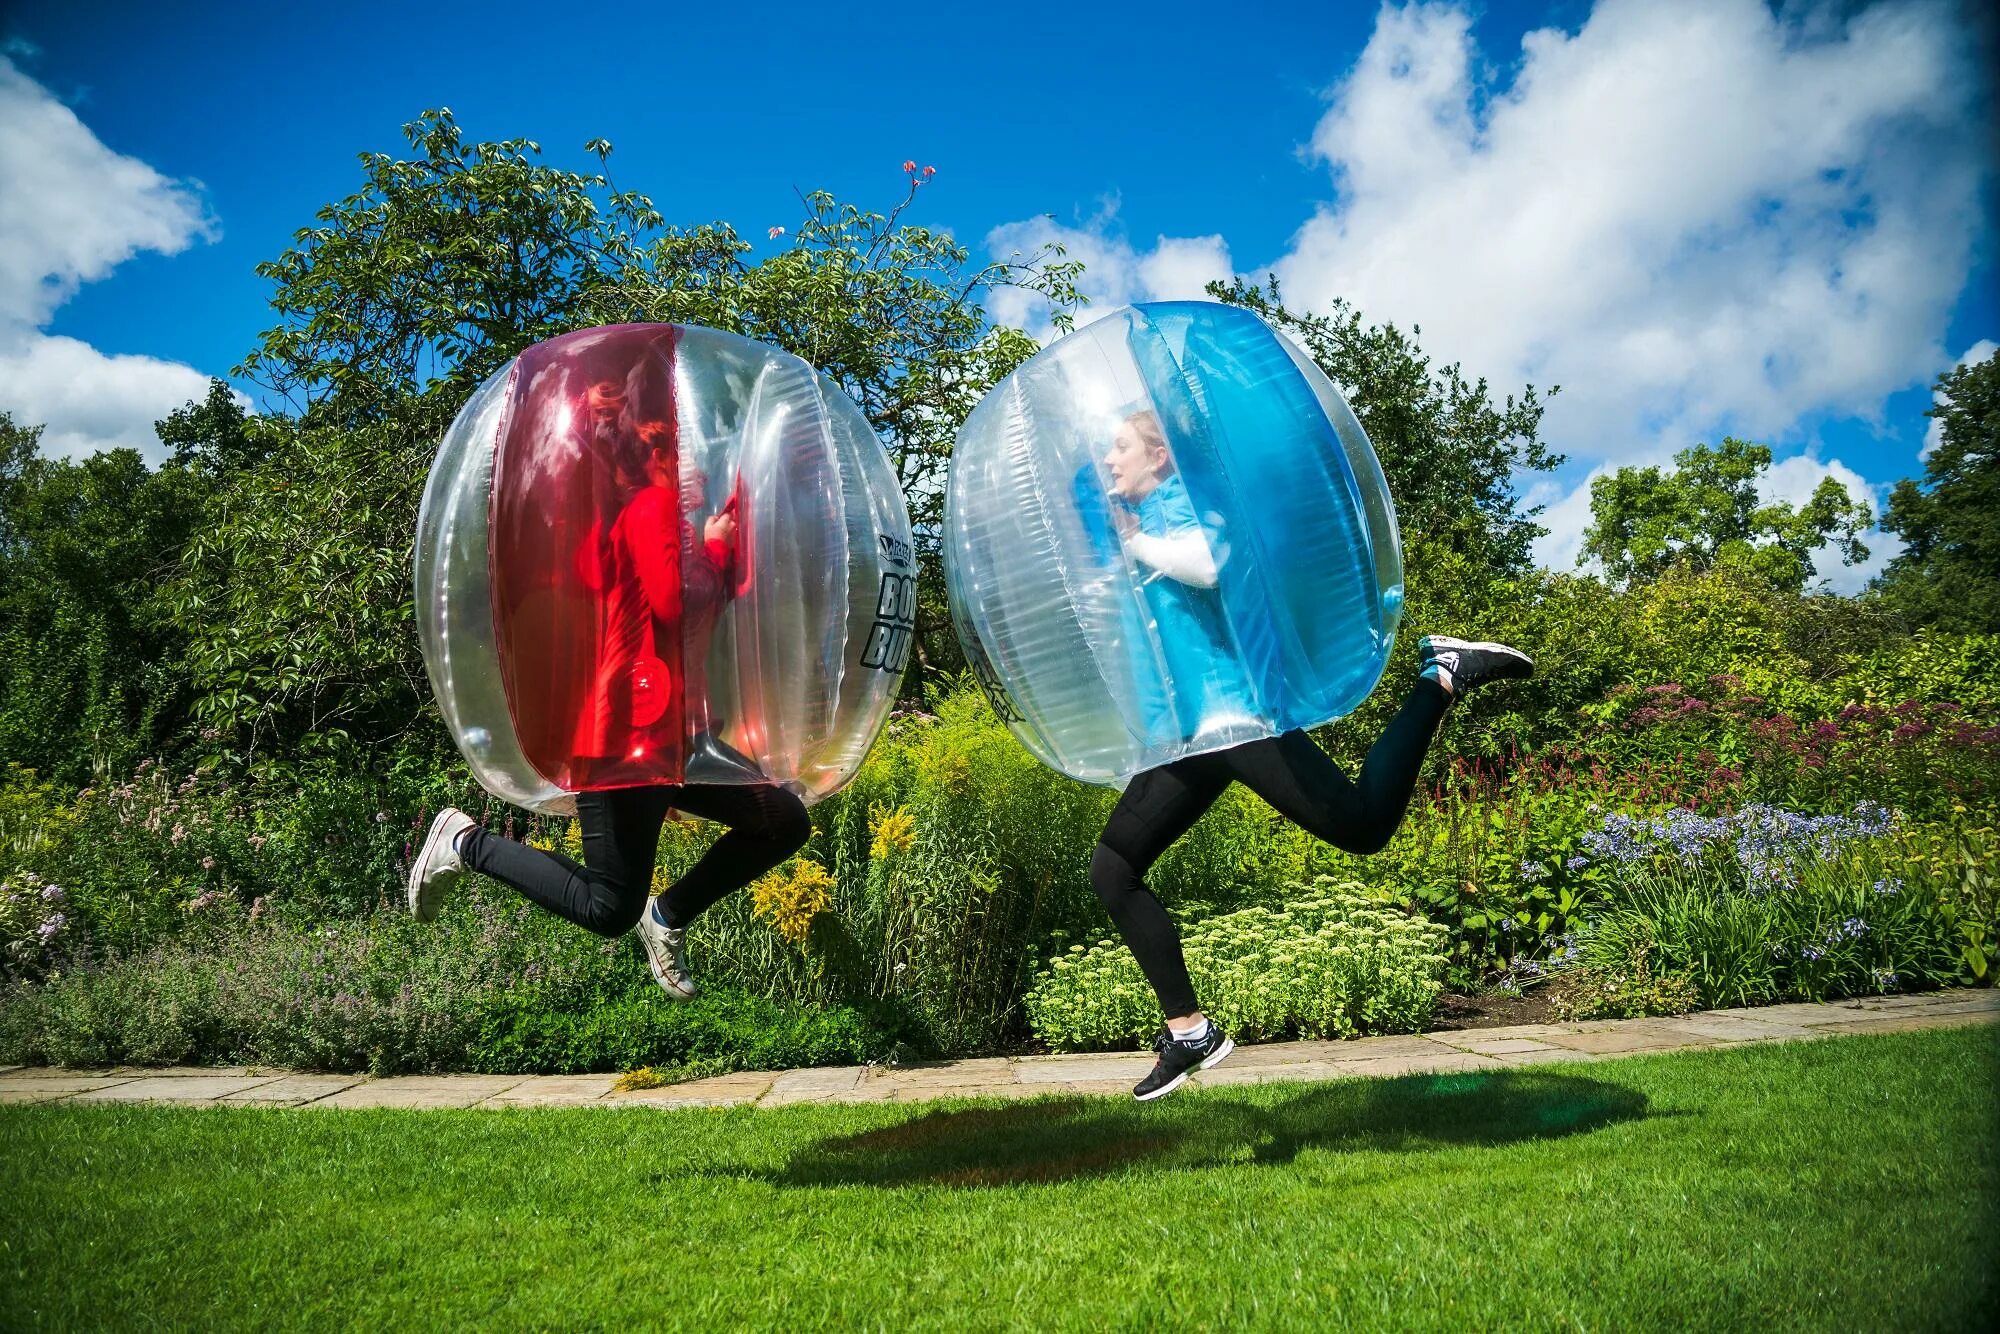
{"x": 494, "y": 985}
{"x": 1863, "y": 919}
{"x": 1329, "y": 963}
{"x": 1631, "y": 990}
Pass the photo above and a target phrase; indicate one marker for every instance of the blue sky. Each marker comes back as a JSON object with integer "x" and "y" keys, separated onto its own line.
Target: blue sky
{"x": 1700, "y": 218}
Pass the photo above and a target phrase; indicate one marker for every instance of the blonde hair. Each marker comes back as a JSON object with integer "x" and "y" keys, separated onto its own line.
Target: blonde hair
{"x": 1146, "y": 423}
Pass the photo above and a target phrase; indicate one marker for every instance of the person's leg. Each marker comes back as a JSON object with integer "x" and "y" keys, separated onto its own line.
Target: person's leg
{"x": 1306, "y": 787}
{"x": 766, "y": 825}
{"x": 1157, "y": 807}
{"x": 621, "y": 835}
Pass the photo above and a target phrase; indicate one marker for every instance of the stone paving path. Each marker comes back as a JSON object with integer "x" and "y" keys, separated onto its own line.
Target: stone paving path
{"x": 1026, "y": 1076}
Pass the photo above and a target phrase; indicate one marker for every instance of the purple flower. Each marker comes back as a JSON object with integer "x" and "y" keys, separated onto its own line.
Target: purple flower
{"x": 1576, "y": 863}
{"x": 1887, "y": 888}
{"x": 1810, "y": 953}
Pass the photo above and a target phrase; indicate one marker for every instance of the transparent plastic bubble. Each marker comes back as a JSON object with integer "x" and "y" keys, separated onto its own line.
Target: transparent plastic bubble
{"x": 659, "y": 554}
{"x": 1167, "y": 534}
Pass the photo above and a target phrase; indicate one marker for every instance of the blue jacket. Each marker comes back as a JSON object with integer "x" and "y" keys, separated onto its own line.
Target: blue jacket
{"x": 1205, "y": 675}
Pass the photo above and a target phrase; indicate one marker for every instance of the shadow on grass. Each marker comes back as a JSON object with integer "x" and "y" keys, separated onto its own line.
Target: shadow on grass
{"x": 1069, "y": 1138}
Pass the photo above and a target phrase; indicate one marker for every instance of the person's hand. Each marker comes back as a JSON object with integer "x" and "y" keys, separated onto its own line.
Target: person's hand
{"x": 721, "y": 528}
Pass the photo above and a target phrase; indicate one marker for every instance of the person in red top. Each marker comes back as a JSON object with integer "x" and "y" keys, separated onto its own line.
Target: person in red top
{"x": 657, "y": 583}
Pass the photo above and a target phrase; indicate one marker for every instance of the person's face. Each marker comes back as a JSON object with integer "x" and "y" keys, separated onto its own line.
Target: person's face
{"x": 1135, "y": 462}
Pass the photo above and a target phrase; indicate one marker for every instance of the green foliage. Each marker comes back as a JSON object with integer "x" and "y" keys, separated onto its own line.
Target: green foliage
{"x": 440, "y": 267}
{"x": 1846, "y": 928}
{"x": 1705, "y": 513}
{"x": 1632, "y": 990}
{"x": 1326, "y": 962}
{"x": 1451, "y": 454}
{"x": 727, "y": 1030}
{"x": 494, "y": 985}
{"x": 945, "y": 928}
{"x": 1949, "y": 573}
{"x": 86, "y": 642}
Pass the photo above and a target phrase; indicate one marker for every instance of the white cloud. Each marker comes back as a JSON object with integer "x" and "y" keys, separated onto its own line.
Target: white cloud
{"x": 1692, "y": 216}
{"x": 71, "y": 211}
{"x": 1934, "y": 429}
{"x": 90, "y": 401}
{"x": 1116, "y": 273}
{"x": 1566, "y": 515}
{"x": 1700, "y": 219}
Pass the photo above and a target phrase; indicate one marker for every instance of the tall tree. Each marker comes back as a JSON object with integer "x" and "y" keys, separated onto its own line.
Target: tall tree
{"x": 1705, "y": 512}
{"x": 85, "y": 644}
{"x": 412, "y": 290}
{"x": 1949, "y": 573}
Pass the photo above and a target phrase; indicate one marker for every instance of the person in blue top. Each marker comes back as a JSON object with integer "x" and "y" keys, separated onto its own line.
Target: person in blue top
{"x": 1178, "y": 563}
{"x": 1175, "y": 556}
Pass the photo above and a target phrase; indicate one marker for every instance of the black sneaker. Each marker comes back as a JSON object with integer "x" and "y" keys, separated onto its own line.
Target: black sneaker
{"x": 1467, "y": 664}
{"x": 1180, "y": 1058}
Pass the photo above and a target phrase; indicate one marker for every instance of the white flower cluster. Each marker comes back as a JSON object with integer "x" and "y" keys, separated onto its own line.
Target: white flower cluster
{"x": 1330, "y": 963}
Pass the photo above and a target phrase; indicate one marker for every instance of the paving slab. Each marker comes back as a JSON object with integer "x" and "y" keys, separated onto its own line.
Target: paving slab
{"x": 173, "y": 1088}
{"x": 554, "y": 1091}
{"x": 50, "y": 1088}
{"x": 1487, "y": 1045}
{"x": 291, "y": 1090}
{"x": 1724, "y": 1028}
{"x": 1292, "y": 1072}
{"x": 813, "y": 1085}
{"x": 936, "y": 1074}
{"x": 1514, "y": 1047}
{"x": 1122, "y": 1068}
{"x": 1631, "y": 1036}
{"x": 1261, "y": 1054}
{"x": 721, "y": 1091}
{"x": 193, "y": 1071}
{"x": 421, "y": 1091}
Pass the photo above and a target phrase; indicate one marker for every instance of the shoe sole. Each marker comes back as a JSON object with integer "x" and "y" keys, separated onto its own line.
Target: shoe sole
{"x": 1228, "y": 1045}
{"x": 1486, "y": 646}
{"x": 425, "y": 907}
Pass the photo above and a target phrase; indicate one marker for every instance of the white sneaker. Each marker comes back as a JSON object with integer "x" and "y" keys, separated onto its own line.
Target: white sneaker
{"x": 664, "y": 945}
{"x": 437, "y": 866}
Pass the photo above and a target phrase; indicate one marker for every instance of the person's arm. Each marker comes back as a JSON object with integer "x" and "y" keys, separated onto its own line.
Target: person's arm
{"x": 1180, "y": 556}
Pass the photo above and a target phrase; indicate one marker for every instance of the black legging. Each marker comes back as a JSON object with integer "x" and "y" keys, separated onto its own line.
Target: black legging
{"x": 621, "y": 836}
{"x": 1290, "y": 772}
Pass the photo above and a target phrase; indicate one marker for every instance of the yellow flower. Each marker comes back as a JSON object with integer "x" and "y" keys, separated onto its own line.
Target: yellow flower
{"x": 791, "y": 902}
{"x": 894, "y": 830}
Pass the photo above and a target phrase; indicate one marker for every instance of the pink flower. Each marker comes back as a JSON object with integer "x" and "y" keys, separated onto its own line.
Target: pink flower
{"x": 776, "y": 232}
{"x": 910, "y": 165}
{"x": 930, "y": 171}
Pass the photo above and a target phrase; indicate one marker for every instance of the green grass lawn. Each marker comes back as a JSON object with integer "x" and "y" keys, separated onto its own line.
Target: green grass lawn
{"x": 1839, "y": 1184}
